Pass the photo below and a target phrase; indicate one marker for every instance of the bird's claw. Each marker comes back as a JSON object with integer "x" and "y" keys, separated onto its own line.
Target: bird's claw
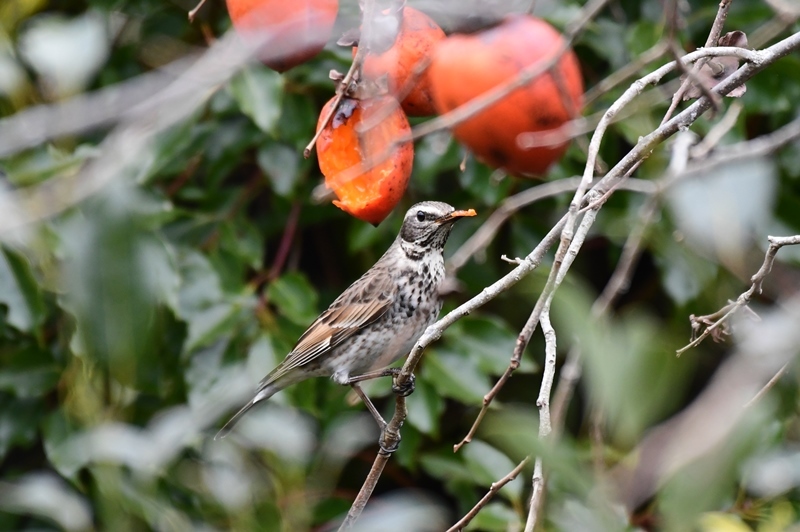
{"x": 389, "y": 449}
{"x": 405, "y": 389}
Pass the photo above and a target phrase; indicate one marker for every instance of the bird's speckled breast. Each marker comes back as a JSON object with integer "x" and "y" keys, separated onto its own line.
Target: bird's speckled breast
{"x": 416, "y": 306}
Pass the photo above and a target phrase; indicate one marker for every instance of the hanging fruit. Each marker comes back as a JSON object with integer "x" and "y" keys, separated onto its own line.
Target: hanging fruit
{"x": 293, "y": 31}
{"x": 403, "y": 63}
{"x": 363, "y": 166}
{"x": 465, "y": 67}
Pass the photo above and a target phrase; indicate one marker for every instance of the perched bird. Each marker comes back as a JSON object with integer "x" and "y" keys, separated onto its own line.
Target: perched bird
{"x": 378, "y": 319}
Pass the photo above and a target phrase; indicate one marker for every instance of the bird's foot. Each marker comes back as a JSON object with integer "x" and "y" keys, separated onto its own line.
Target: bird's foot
{"x": 389, "y": 447}
{"x": 405, "y": 389}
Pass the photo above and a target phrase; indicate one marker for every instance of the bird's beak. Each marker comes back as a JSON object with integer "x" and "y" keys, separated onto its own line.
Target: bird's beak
{"x": 455, "y": 215}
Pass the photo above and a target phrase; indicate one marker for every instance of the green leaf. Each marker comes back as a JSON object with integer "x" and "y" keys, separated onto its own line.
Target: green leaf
{"x": 57, "y": 430}
{"x": 295, "y": 297}
{"x": 281, "y": 164}
{"x": 259, "y": 92}
{"x": 448, "y": 467}
{"x": 32, "y": 167}
{"x": 719, "y": 209}
{"x": 487, "y": 339}
{"x": 243, "y": 240}
{"x": 495, "y": 517}
{"x": 28, "y": 371}
{"x": 298, "y": 119}
{"x": 488, "y": 465}
{"x": 424, "y": 408}
{"x": 113, "y": 281}
{"x": 208, "y": 325}
{"x": 19, "y": 419}
{"x": 200, "y": 286}
{"x": 19, "y": 291}
{"x": 453, "y": 375}
{"x": 643, "y": 36}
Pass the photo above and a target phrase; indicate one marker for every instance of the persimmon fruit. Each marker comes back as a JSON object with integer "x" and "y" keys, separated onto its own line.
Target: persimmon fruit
{"x": 293, "y": 31}
{"x": 358, "y": 156}
{"x": 465, "y": 67}
{"x": 416, "y": 38}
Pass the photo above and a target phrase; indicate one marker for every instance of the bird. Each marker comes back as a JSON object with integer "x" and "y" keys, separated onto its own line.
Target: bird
{"x": 377, "y": 319}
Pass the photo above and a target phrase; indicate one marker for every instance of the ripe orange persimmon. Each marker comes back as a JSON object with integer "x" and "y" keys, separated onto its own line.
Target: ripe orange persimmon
{"x": 415, "y": 40}
{"x": 358, "y": 158}
{"x": 466, "y": 66}
{"x": 293, "y": 31}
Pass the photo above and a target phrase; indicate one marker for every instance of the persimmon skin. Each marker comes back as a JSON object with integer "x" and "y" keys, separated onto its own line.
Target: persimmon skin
{"x": 416, "y": 38}
{"x": 466, "y": 66}
{"x": 368, "y": 175}
{"x": 293, "y": 31}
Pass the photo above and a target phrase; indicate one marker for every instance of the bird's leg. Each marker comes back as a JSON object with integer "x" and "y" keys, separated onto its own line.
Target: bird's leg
{"x": 371, "y": 407}
{"x": 378, "y": 418}
{"x": 372, "y": 375}
{"x": 404, "y": 391}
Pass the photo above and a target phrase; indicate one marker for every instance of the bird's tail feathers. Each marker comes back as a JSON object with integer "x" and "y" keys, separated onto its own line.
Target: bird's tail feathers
{"x": 262, "y": 395}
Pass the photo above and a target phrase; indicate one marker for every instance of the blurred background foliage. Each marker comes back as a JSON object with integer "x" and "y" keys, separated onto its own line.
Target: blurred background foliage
{"x": 133, "y": 323}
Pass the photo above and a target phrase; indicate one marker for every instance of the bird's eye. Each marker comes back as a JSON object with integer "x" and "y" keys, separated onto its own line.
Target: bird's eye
{"x": 420, "y": 216}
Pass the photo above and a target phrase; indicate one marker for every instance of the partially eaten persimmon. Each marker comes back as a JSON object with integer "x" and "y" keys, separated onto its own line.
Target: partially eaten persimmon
{"x": 404, "y": 63}
{"x": 358, "y": 155}
{"x": 288, "y": 32}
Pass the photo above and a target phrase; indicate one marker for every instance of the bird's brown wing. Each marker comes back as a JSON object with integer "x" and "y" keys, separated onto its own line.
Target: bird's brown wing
{"x": 362, "y": 303}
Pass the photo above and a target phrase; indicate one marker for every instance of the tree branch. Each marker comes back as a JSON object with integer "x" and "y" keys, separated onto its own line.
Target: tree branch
{"x": 495, "y": 487}
{"x": 545, "y": 426}
{"x": 714, "y": 322}
{"x": 711, "y": 40}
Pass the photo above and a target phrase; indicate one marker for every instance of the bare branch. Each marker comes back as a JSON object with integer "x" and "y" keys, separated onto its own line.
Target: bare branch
{"x": 768, "y": 386}
{"x": 568, "y": 248}
{"x": 495, "y": 487}
{"x": 713, "y": 38}
{"x": 479, "y": 240}
{"x": 557, "y": 274}
{"x": 775, "y": 243}
{"x": 708, "y": 422}
{"x": 629, "y": 70}
{"x": 545, "y": 426}
{"x": 193, "y": 12}
{"x": 716, "y": 133}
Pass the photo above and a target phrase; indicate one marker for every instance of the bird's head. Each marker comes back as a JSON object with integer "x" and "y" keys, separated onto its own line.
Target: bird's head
{"x": 427, "y": 225}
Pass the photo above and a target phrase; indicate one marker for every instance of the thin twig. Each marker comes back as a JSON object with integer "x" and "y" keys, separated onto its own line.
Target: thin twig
{"x": 768, "y": 386}
{"x": 693, "y": 77}
{"x": 646, "y": 144}
{"x": 554, "y": 280}
{"x": 713, "y": 38}
{"x": 775, "y": 243}
{"x": 545, "y": 425}
{"x": 571, "y": 371}
{"x": 290, "y": 228}
{"x": 495, "y": 487}
{"x": 193, "y": 12}
{"x": 706, "y": 425}
{"x": 346, "y": 86}
{"x": 620, "y": 279}
{"x": 487, "y": 231}
{"x": 629, "y": 70}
